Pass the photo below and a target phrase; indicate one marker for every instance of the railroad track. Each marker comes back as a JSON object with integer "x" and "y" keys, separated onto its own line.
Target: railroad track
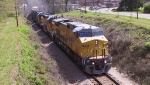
{"x": 103, "y": 80}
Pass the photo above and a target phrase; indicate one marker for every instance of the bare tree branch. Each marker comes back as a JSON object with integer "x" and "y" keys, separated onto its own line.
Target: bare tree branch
{"x": 66, "y": 3}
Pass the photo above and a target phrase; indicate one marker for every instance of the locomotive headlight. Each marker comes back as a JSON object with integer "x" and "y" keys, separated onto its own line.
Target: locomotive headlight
{"x": 92, "y": 63}
{"x": 96, "y": 42}
{"x": 105, "y": 61}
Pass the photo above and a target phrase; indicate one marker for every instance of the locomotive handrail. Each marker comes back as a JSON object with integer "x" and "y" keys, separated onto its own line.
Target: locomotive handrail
{"x": 89, "y": 53}
{"x": 87, "y": 56}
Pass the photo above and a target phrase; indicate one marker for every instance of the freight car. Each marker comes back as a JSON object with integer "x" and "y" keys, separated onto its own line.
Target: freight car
{"x": 85, "y": 43}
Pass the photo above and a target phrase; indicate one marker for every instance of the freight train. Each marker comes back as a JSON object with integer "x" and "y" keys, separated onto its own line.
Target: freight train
{"x": 86, "y": 44}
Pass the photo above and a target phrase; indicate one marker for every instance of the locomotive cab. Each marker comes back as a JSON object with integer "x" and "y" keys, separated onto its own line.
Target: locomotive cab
{"x": 34, "y": 14}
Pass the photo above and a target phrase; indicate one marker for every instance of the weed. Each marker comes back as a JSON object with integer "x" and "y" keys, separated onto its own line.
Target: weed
{"x": 11, "y": 14}
{"x": 37, "y": 46}
{"x": 8, "y": 52}
{"x": 147, "y": 45}
{"x": 28, "y": 22}
{"x": 31, "y": 66}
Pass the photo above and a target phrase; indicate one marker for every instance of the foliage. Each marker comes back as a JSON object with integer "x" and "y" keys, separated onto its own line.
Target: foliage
{"x": 147, "y": 45}
{"x": 141, "y": 9}
{"x": 147, "y": 8}
{"x": 36, "y": 46}
{"x": 54, "y": 8}
{"x": 31, "y": 68}
{"x": 7, "y": 9}
{"x": 19, "y": 61}
{"x": 28, "y": 22}
{"x": 130, "y": 5}
{"x": 9, "y": 50}
{"x": 139, "y": 23}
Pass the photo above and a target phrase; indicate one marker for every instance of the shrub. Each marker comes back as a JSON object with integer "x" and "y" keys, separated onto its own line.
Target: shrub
{"x": 120, "y": 9}
{"x": 114, "y": 10}
{"x": 147, "y": 8}
{"x": 147, "y": 45}
{"x": 11, "y": 14}
{"x": 28, "y": 22}
{"x": 2, "y": 16}
{"x": 36, "y": 46}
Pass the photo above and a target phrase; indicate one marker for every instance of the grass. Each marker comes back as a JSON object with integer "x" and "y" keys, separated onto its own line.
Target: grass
{"x": 32, "y": 69}
{"x": 8, "y": 53}
{"x": 19, "y": 61}
{"x": 141, "y": 22}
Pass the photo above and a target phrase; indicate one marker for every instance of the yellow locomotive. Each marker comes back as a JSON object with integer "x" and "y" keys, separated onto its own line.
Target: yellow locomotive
{"x": 49, "y": 23}
{"x": 85, "y": 43}
{"x": 56, "y": 23}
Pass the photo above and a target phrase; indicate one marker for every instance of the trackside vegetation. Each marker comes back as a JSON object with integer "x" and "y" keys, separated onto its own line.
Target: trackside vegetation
{"x": 8, "y": 51}
{"x": 19, "y": 59}
{"x": 147, "y": 8}
{"x": 30, "y": 63}
{"x": 129, "y": 41}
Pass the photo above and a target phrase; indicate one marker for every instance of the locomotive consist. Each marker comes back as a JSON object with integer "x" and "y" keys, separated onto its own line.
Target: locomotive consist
{"x": 85, "y": 43}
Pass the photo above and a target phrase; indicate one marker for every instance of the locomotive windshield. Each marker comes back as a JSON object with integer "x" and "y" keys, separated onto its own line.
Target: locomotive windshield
{"x": 90, "y": 34}
{"x": 85, "y": 34}
{"x": 99, "y": 33}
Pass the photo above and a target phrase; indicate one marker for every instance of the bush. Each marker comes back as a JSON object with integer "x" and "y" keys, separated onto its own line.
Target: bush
{"x": 11, "y": 15}
{"x": 147, "y": 45}
{"x": 114, "y": 10}
{"x": 147, "y": 8}
{"x": 120, "y": 9}
{"x": 2, "y": 16}
{"x": 28, "y": 22}
{"x": 36, "y": 46}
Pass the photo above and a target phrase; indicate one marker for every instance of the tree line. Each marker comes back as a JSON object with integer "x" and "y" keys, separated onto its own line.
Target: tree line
{"x": 131, "y": 5}
{"x": 55, "y": 4}
{"x": 7, "y": 8}
{"x": 52, "y": 6}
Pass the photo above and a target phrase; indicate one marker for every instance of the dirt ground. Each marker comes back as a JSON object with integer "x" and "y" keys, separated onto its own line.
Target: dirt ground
{"x": 121, "y": 77}
{"x": 62, "y": 69}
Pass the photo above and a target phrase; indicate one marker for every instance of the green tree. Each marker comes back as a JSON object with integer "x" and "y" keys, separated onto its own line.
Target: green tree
{"x": 5, "y": 8}
{"x": 130, "y": 5}
{"x": 147, "y": 8}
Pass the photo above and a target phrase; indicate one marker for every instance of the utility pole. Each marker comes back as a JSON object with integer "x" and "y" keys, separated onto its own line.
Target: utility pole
{"x": 16, "y": 12}
{"x": 24, "y": 10}
{"x": 61, "y": 8}
{"x": 93, "y": 3}
{"x": 137, "y": 8}
{"x": 85, "y": 6}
